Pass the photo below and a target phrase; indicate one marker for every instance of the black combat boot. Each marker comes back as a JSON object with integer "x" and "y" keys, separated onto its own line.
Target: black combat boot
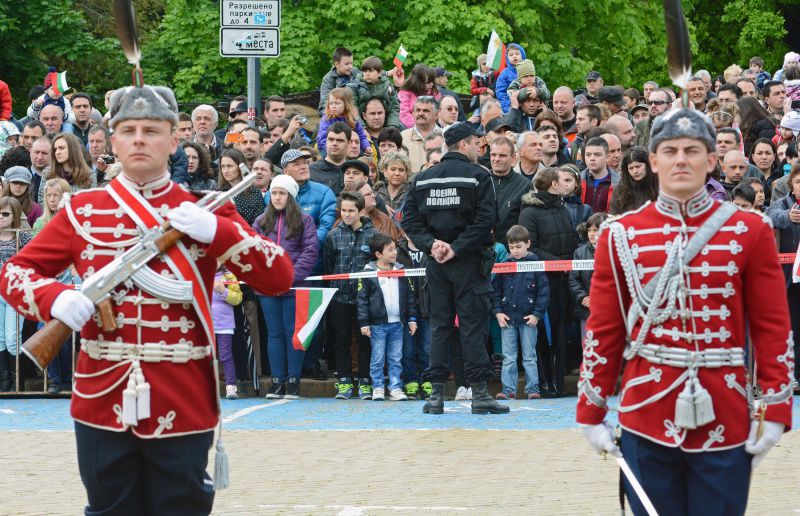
{"x": 483, "y": 403}
{"x": 435, "y": 403}
{"x": 5, "y": 372}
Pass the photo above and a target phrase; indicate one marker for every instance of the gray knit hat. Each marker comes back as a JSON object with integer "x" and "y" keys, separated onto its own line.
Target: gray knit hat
{"x": 147, "y": 102}
{"x": 683, "y": 123}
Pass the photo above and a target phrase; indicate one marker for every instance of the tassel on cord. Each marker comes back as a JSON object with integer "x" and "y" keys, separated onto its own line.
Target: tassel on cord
{"x": 684, "y": 408}
{"x": 142, "y": 396}
{"x": 703, "y": 405}
{"x": 129, "y": 402}
{"x": 221, "y": 466}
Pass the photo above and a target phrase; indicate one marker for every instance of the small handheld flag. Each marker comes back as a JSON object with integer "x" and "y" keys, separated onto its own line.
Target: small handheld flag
{"x": 310, "y": 305}
{"x": 58, "y": 82}
{"x": 400, "y": 57}
{"x": 495, "y": 53}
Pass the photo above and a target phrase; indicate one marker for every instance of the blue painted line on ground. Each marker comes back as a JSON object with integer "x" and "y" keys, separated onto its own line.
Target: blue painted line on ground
{"x": 333, "y": 415}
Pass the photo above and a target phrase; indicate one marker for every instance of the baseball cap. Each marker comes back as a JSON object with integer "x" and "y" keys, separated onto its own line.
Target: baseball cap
{"x": 293, "y": 155}
{"x": 593, "y": 76}
{"x": 497, "y": 124}
{"x": 356, "y": 163}
{"x": 460, "y": 130}
{"x": 441, "y": 72}
{"x": 639, "y": 107}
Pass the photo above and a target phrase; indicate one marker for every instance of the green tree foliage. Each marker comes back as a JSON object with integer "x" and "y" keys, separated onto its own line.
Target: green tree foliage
{"x": 624, "y": 39}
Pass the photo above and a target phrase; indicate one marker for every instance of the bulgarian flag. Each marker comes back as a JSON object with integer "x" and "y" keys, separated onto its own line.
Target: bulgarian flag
{"x": 310, "y": 305}
{"x": 400, "y": 57}
{"x": 496, "y": 53}
{"x": 58, "y": 82}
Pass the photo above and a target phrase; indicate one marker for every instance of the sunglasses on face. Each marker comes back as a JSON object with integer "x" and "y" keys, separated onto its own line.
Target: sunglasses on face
{"x": 656, "y": 102}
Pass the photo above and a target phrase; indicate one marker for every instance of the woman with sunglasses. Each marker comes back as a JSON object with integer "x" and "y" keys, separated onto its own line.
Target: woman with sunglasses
{"x": 11, "y": 241}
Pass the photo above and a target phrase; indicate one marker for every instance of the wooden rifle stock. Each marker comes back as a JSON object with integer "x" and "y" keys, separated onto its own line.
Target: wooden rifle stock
{"x": 45, "y": 344}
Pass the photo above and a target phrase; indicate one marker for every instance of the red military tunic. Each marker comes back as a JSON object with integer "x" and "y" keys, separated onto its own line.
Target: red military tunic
{"x": 90, "y": 231}
{"x": 734, "y": 281}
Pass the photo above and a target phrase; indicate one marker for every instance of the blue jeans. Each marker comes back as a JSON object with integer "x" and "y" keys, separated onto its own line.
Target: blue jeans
{"x": 10, "y": 326}
{"x": 387, "y": 345}
{"x": 416, "y": 351}
{"x": 279, "y": 314}
{"x": 526, "y": 337}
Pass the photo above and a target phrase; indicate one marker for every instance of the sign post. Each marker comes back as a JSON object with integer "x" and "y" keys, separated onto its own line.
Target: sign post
{"x": 250, "y": 29}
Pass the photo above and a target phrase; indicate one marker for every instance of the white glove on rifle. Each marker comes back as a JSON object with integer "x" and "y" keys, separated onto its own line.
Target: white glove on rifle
{"x": 601, "y": 437}
{"x": 190, "y": 219}
{"x": 759, "y": 447}
{"x": 73, "y": 309}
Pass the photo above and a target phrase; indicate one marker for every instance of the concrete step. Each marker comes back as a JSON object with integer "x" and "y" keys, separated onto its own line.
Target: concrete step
{"x": 327, "y": 389}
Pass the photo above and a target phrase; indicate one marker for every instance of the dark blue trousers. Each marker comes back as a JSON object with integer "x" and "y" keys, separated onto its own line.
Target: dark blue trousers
{"x": 125, "y": 475}
{"x": 677, "y": 482}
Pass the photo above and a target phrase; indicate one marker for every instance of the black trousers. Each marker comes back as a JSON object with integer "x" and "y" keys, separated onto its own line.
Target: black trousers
{"x": 125, "y": 475}
{"x": 558, "y": 312}
{"x": 344, "y": 317}
{"x": 794, "y": 314}
{"x": 458, "y": 288}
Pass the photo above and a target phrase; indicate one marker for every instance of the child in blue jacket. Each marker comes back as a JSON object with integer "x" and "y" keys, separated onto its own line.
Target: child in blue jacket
{"x": 520, "y": 301}
{"x": 514, "y": 54}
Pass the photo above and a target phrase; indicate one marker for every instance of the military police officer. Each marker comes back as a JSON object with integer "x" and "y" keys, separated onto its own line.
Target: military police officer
{"x": 449, "y": 214}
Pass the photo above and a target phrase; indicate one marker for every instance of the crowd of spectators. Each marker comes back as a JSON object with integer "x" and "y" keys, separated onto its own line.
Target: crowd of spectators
{"x": 333, "y": 196}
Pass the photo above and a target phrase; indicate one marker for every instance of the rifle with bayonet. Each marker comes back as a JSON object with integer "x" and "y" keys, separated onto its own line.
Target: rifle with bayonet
{"x": 45, "y": 344}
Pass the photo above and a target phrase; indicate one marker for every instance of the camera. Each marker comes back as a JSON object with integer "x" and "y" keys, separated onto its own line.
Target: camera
{"x": 108, "y": 159}
{"x": 303, "y": 119}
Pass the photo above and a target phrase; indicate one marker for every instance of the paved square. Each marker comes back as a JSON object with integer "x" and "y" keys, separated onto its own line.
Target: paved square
{"x": 324, "y": 457}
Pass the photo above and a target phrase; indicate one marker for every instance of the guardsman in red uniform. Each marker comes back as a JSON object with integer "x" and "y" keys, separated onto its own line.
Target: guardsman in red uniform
{"x": 145, "y": 399}
{"x": 677, "y": 281}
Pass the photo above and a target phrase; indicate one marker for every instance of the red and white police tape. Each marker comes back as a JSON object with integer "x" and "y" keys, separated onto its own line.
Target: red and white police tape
{"x": 500, "y": 268}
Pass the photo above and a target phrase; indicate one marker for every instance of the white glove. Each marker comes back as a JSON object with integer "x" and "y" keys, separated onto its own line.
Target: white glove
{"x": 73, "y": 309}
{"x": 601, "y": 437}
{"x": 769, "y": 438}
{"x": 190, "y": 219}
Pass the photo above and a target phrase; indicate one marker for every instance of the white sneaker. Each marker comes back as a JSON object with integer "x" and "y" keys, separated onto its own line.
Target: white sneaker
{"x": 230, "y": 392}
{"x": 398, "y": 395}
{"x": 461, "y": 394}
{"x": 378, "y": 394}
{"x": 469, "y": 394}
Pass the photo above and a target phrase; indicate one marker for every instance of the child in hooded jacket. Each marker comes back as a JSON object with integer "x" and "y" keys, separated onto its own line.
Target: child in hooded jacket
{"x": 227, "y": 294}
{"x": 514, "y": 54}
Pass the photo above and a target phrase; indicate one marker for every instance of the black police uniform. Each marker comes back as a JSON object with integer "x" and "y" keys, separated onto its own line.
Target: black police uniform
{"x": 454, "y": 201}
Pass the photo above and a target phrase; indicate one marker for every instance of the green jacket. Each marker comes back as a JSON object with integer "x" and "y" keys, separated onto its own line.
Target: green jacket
{"x": 541, "y": 88}
{"x": 384, "y": 91}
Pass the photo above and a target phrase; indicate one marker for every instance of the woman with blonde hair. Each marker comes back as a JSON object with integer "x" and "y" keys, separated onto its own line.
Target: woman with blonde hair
{"x": 67, "y": 162}
{"x": 395, "y": 167}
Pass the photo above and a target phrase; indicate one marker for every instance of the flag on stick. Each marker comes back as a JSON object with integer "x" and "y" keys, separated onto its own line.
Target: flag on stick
{"x": 796, "y": 267}
{"x": 58, "y": 82}
{"x": 400, "y": 57}
{"x": 495, "y": 54}
{"x": 310, "y": 305}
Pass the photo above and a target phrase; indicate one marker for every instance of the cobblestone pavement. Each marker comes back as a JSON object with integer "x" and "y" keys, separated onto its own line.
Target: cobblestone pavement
{"x": 291, "y": 458}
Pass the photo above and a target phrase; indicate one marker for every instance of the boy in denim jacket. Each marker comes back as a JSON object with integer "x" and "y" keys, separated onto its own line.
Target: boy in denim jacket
{"x": 520, "y": 301}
